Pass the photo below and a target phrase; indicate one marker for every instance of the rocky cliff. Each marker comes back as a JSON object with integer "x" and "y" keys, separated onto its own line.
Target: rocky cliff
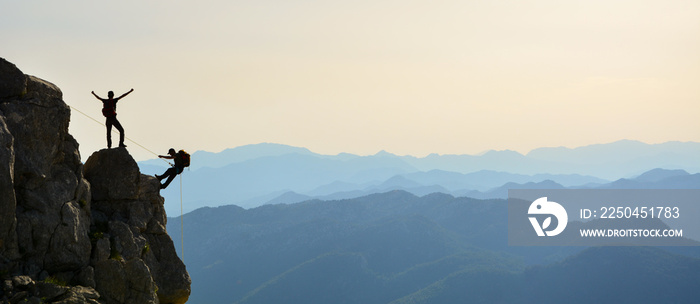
{"x": 74, "y": 233}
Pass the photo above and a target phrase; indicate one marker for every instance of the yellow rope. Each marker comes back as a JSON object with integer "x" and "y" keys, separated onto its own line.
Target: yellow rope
{"x": 114, "y": 131}
{"x": 182, "y": 226}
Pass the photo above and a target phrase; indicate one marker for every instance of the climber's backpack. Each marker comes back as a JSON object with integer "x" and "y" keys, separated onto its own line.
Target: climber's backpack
{"x": 185, "y": 158}
{"x": 109, "y": 107}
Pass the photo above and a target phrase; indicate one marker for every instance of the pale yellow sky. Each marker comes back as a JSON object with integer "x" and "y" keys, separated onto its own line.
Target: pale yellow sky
{"x": 409, "y": 77}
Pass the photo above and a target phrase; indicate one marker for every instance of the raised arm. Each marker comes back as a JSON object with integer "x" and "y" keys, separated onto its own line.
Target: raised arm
{"x": 98, "y": 97}
{"x": 127, "y": 93}
{"x": 166, "y": 156}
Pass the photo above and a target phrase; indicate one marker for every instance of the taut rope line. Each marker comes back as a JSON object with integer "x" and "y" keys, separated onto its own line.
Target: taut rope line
{"x": 182, "y": 224}
{"x": 113, "y": 131}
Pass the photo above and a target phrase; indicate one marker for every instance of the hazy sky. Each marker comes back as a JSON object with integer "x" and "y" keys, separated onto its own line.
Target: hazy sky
{"x": 409, "y": 77}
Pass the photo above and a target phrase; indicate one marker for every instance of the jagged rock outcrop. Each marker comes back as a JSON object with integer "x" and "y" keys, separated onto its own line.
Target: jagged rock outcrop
{"x": 74, "y": 233}
{"x": 128, "y": 210}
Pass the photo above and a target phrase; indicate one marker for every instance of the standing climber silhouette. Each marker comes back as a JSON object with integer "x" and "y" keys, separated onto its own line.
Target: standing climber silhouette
{"x": 109, "y": 110}
{"x": 181, "y": 159}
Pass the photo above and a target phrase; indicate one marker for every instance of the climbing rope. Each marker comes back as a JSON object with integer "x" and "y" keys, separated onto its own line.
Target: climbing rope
{"x": 182, "y": 225}
{"x": 114, "y": 131}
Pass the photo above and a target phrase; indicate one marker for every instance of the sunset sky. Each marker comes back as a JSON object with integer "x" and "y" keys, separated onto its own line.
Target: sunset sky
{"x": 408, "y": 77}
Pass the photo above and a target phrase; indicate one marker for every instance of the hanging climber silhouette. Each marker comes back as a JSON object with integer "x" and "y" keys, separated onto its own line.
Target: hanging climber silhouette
{"x": 109, "y": 110}
{"x": 181, "y": 159}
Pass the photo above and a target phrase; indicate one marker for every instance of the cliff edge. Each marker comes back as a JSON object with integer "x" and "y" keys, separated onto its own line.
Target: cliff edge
{"x": 74, "y": 233}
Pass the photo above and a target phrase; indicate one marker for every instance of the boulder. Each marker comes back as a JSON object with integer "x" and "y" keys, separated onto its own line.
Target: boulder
{"x": 40, "y": 89}
{"x": 113, "y": 175}
{"x": 125, "y": 282}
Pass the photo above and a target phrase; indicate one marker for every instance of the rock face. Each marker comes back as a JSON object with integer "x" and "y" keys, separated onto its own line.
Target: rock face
{"x": 74, "y": 233}
{"x": 127, "y": 210}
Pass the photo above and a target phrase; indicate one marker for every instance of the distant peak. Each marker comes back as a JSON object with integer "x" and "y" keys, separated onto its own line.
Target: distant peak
{"x": 659, "y": 174}
{"x": 384, "y": 153}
